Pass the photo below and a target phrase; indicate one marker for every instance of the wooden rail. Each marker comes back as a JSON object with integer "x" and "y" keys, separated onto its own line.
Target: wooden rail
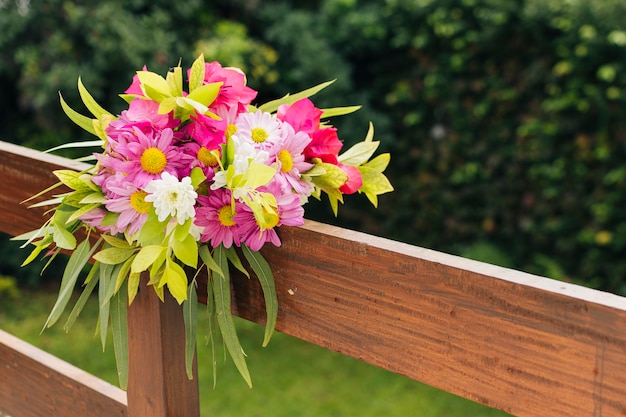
{"x": 524, "y": 344}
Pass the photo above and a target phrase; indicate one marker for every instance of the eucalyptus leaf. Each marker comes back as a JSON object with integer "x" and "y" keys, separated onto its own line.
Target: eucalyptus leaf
{"x": 84, "y": 296}
{"x": 264, "y": 273}
{"x": 190, "y": 315}
{"x": 273, "y": 105}
{"x": 78, "y": 259}
{"x": 232, "y": 256}
{"x": 221, "y": 294}
{"x": 119, "y": 330}
{"x": 208, "y": 260}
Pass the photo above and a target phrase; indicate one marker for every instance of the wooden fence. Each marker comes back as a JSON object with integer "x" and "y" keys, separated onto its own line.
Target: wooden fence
{"x": 524, "y": 344}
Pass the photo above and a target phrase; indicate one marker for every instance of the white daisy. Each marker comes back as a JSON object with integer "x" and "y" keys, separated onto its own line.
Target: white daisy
{"x": 171, "y": 197}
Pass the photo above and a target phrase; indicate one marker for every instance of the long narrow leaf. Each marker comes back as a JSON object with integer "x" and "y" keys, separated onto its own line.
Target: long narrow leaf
{"x": 83, "y": 121}
{"x": 82, "y": 144}
{"x": 119, "y": 330}
{"x": 75, "y": 264}
{"x": 225, "y": 316}
{"x": 263, "y": 271}
{"x": 232, "y": 256}
{"x": 89, "y": 101}
{"x": 289, "y": 99}
{"x": 190, "y": 315}
{"x": 84, "y": 296}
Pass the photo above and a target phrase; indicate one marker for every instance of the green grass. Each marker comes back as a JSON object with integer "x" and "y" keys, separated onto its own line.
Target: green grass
{"x": 290, "y": 377}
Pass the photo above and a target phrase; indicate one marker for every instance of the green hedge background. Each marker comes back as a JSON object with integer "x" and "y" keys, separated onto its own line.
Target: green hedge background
{"x": 505, "y": 118}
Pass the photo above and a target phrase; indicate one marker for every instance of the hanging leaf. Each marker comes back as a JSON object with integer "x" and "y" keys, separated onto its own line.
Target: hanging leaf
{"x": 119, "y": 330}
{"x": 78, "y": 259}
{"x": 84, "y": 296}
{"x": 263, "y": 271}
{"x": 221, "y": 294}
{"x": 190, "y": 315}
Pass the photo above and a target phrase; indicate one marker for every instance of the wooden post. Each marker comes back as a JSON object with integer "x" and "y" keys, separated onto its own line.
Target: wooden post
{"x": 158, "y": 385}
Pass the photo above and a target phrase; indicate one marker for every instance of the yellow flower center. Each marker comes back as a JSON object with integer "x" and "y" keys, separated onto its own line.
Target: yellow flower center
{"x": 207, "y": 157}
{"x": 259, "y": 134}
{"x": 153, "y": 161}
{"x": 139, "y": 203}
{"x": 286, "y": 162}
{"x": 225, "y": 216}
{"x": 231, "y": 129}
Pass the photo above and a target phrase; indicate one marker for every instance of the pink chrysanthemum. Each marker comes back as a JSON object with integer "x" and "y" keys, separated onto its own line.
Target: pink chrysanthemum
{"x": 288, "y": 212}
{"x": 149, "y": 156}
{"x": 129, "y": 202}
{"x": 215, "y": 214}
{"x": 289, "y": 158}
{"x": 260, "y": 129}
{"x": 208, "y": 132}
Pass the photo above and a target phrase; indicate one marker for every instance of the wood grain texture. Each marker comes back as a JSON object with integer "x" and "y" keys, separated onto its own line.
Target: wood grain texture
{"x": 521, "y": 343}
{"x": 525, "y": 344}
{"x": 158, "y": 385}
{"x": 34, "y": 383}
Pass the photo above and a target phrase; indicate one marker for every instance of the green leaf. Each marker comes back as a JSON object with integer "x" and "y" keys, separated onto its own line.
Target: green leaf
{"x": 82, "y": 121}
{"x": 196, "y": 75}
{"x": 146, "y": 257}
{"x": 359, "y": 153}
{"x": 205, "y": 94}
{"x": 186, "y": 250}
{"x": 82, "y": 211}
{"x": 190, "y": 315}
{"x": 208, "y": 260}
{"x": 89, "y": 101}
{"x": 379, "y": 163}
{"x": 197, "y": 177}
{"x": 221, "y": 294}
{"x": 332, "y": 179}
{"x": 338, "y": 111}
{"x": 232, "y": 256}
{"x": 154, "y": 86}
{"x": 78, "y": 259}
{"x": 105, "y": 292}
{"x": 176, "y": 279}
{"x": 152, "y": 231}
{"x": 84, "y": 297}
{"x": 134, "y": 278}
{"x": 92, "y": 198}
{"x": 114, "y": 256}
{"x": 119, "y": 330}
{"x": 83, "y": 144}
{"x": 63, "y": 238}
{"x": 116, "y": 242}
{"x": 264, "y": 273}
{"x": 273, "y": 105}
{"x": 71, "y": 179}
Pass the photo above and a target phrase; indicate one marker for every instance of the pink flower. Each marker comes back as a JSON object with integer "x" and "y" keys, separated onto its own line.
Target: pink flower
{"x": 135, "y": 87}
{"x": 288, "y": 212}
{"x": 149, "y": 156}
{"x": 129, "y": 202}
{"x": 302, "y": 115}
{"x": 355, "y": 179}
{"x": 324, "y": 145}
{"x": 141, "y": 114}
{"x": 205, "y": 130}
{"x": 289, "y": 159}
{"x": 216, "y": 216}
{"x": 234, "y": 92}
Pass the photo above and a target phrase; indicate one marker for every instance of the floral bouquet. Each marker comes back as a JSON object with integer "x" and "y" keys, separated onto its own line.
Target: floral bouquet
{"x": 192, "y": 179}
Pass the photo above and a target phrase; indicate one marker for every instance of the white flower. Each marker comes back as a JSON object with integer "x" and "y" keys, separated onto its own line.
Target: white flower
{"x": 171, "y": 197}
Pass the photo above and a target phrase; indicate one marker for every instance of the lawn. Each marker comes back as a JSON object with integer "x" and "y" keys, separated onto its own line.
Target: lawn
{"x": 290, "y": 377}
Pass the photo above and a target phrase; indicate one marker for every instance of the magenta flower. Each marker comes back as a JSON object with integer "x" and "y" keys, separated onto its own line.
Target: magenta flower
{"x": 149, "y": 156}
{"x": 216, "y": 214}
{"x": 129, "y": 202}
{"x": 205, "y": 130}
{"x": 233, "y": 93}
{"x": 144, "y": 115}
{"x": 288, "y": 212}
{"x": 302, "y": 115}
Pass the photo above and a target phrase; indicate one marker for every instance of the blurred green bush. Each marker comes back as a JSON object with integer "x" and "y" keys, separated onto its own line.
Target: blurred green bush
{"x": 504, "y": 117}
